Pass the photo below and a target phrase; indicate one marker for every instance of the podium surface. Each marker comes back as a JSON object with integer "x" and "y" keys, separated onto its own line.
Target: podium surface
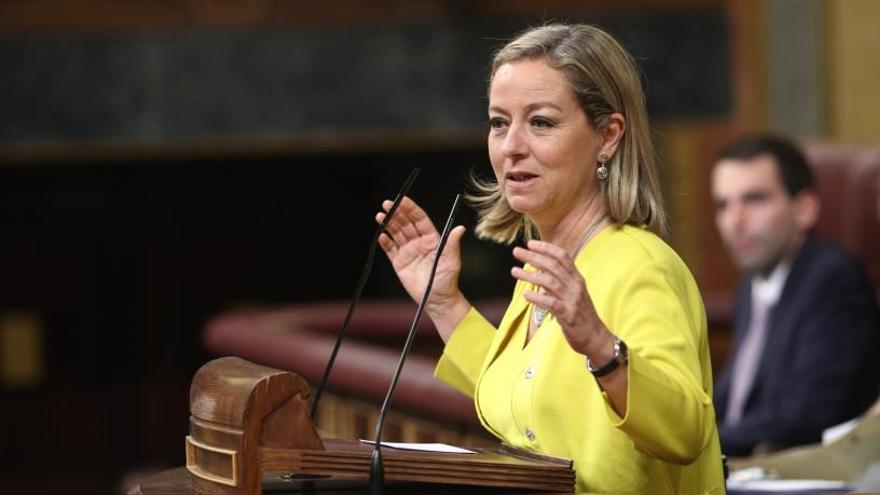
{"x": 248, "y": 422}
{"x": 178, "y": 482}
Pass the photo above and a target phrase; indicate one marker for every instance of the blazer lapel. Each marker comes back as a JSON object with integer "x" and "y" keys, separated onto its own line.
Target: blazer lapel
{"x": 517, "y": 310}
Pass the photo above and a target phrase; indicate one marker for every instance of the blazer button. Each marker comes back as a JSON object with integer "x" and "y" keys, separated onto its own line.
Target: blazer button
{"x": 530, "y": 434}
{"x": 530, "y": 372}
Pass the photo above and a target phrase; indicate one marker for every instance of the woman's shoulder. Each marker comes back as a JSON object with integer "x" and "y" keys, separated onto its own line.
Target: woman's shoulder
{"x": 627, "y": 253}
{"x": 635, "y": 244}
{"x": 619, "y": 252}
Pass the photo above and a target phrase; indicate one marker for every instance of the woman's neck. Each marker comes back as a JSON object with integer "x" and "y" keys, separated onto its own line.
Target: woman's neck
{"x": 569, "y": 231}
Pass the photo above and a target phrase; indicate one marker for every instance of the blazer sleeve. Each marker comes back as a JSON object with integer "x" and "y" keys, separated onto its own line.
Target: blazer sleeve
{"x": 464, "y": 353}
{"x": 832, "y": 372}
{"x": 658, "y": 312}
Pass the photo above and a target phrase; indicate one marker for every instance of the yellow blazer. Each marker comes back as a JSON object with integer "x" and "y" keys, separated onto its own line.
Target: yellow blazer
{"x": 667, "y": 442}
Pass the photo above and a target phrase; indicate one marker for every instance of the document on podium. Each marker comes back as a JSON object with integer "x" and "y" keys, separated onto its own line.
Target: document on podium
{"x": 424, "y": 447}
{"x": 787, "y": 486}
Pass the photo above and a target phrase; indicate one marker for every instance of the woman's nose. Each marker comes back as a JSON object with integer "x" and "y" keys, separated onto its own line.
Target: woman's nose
{"x": 514, "y": 142}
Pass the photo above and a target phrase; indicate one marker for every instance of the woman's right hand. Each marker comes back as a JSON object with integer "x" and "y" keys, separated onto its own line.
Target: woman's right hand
{"x": 410, "y": 240}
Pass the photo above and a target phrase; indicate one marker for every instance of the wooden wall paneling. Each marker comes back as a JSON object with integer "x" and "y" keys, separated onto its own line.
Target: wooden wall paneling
{"x": 688, "y": 155}
{"x": 749, "y": 70}
{"x": 23, "y": 16}
{"x": 794, "y": 67}
{"x": 349, "y": 12}
{"x": 226, "y": 12}
{"x": 852, "y": 75}
{"x": 81, "y": 96}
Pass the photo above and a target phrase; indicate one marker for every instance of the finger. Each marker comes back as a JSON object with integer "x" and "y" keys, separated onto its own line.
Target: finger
{"x": 554, "y": 305}
{"x": 387, "y": 204}
{"x": 453, "y": 242}
{"x": 388, "y": 231}
{"x": 402, "y": 234}
{"x": 543, "y": 300}
{"x": 542, "y": 261}
{"x": 393, "y": 228}
{"x": 386, "y": 242}
{"x": 418, "y": 218}
{"x": 542, "y": 279}
{"x": 406, "y": 207}
{"x": 407, "y": 225}
{"x": 547, "y": 248}
{"x": 405, "y": 218}
{"x": 380, "y": 217}
{"x": 554, "y": 252}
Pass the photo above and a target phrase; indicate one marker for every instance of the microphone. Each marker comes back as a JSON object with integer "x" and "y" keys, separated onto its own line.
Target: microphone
{"x": 365, "y": 274}
{"x": 377, "y": 476}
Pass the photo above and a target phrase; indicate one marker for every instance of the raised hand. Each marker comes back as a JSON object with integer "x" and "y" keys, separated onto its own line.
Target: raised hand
{"x": 564, "y": 295}
{"x": 410, "y": 241}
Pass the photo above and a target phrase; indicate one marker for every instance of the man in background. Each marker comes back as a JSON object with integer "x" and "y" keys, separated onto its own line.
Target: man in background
{"x": 806, "y": 324}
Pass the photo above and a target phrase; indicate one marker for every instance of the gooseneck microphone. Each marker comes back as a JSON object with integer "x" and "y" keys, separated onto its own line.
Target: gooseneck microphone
{"x": 377, "y": 476}
{"x": 365, "y": 274}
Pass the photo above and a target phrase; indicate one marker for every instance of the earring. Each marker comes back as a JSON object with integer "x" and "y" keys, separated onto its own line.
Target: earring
{"x": 602, "y": 171}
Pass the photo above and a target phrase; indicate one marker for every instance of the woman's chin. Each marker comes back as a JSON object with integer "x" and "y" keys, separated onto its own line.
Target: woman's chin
{"x": 522, "y": 205}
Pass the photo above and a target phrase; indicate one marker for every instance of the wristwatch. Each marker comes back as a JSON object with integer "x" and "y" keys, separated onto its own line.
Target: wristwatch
{"x": 621, "y": 356}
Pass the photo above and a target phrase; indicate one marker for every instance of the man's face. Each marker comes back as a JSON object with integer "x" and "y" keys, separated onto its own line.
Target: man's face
{"x": 758, "y": 221}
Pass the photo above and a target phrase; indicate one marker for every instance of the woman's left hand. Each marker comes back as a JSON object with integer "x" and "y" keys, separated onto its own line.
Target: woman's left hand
{"x": 565, "y": 296}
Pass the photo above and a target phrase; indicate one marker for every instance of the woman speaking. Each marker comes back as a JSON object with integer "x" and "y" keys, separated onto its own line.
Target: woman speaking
{"x": 602, "y": 356}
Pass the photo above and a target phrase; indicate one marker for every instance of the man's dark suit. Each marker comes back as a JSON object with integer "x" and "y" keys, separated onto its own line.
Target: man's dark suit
{"x": 821, "y": 360}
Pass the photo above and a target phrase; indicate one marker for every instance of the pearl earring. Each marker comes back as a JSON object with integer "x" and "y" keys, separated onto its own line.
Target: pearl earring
{"x": 602, "y": 171}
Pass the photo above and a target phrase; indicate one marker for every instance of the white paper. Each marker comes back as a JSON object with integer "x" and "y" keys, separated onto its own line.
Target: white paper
{"x": 424, "y": 447}
{"x": 837, "y": 432}
{"x": 785, "y": 485}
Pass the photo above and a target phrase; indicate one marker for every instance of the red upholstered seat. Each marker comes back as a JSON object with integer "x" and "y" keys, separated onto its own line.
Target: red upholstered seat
{"x": 300, "y": 338}
{"x": 849, "y": 185}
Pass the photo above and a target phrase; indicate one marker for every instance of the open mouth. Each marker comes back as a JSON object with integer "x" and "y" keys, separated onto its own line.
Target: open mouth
{"x": 520, "y": 177}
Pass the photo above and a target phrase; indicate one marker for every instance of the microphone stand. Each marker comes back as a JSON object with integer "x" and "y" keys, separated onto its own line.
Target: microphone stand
{"x": 365, "y": 274}
{"x": 377, "y": 476}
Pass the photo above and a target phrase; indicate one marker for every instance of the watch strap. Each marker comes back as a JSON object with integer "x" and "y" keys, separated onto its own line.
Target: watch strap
{"x": 621, "y": 356}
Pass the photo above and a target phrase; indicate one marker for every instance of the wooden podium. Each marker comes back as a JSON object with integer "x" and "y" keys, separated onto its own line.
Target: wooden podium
{"x": 249, "y": 421}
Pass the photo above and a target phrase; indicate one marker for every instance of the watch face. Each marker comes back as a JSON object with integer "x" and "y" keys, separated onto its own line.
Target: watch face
{"x": 622, "y": 350}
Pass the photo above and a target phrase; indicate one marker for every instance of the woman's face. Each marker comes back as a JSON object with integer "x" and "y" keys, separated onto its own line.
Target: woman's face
{"x": 542, "y": 147}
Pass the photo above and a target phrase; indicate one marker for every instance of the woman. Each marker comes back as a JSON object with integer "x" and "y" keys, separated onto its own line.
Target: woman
{"x": 602, "y": 355}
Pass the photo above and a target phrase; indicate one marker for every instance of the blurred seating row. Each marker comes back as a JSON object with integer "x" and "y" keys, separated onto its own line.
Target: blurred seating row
{"x": 300, "y": 338}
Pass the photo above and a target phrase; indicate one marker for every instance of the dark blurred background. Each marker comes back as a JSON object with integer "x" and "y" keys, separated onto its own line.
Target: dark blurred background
{"x": 164, "y": 161}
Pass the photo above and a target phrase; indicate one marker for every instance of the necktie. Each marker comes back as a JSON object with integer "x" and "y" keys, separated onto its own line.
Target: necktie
{"x": 745, "y": 367}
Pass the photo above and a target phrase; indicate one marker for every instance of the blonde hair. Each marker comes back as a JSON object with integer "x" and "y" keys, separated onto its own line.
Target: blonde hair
{"x": 604, "y": 79}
